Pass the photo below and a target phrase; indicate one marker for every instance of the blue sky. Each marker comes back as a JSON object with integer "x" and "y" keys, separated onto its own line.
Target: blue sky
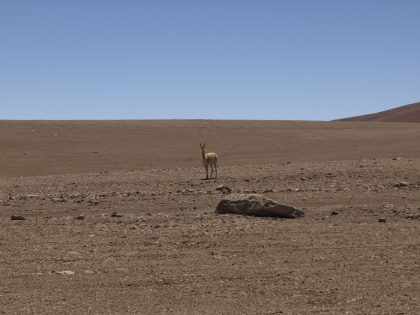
{"x": 219, "y": 59}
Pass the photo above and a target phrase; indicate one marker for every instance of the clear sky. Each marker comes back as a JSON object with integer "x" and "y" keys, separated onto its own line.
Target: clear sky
{"x": 227, "y": 59}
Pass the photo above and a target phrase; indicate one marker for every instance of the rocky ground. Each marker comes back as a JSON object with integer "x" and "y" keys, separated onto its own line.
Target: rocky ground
{"x": 148, "y": 241}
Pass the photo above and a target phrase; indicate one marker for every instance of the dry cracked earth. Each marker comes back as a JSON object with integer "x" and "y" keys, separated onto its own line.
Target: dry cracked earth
{"x": 145, "y": 239}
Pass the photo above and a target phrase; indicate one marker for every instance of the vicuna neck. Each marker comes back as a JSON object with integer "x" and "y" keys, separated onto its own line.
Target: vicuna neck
{"x": 203, "y": 154}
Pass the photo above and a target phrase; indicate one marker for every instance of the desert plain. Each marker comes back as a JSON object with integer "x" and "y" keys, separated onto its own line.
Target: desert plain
{"x": 118, "y": 218}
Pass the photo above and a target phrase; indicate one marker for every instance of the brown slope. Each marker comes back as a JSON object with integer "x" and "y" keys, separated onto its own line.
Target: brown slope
{"x": 408, "y": 113}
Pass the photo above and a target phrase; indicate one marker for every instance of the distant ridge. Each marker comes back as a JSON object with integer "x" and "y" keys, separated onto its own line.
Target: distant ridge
{"x": 408, "y": 113}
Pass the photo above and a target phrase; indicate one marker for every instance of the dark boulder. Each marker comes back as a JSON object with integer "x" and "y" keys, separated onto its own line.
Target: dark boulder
{"x": 256, "y": 205}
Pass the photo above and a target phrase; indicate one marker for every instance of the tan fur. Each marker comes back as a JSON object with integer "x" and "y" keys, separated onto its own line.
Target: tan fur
{"x": 208, "y": 159}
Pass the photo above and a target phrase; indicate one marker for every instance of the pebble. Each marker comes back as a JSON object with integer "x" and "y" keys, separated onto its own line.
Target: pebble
{"x": 116, "y": 215}
{"x": 66, "y": 272}
{"x": 401, "y": 184}
{"x": 381, "y": 220}
{"x": 17, "y": 217}
{"x": 224, "y": 189}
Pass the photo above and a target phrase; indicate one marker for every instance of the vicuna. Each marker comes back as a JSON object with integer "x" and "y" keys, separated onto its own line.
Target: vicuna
{"x": 208, "y": 159}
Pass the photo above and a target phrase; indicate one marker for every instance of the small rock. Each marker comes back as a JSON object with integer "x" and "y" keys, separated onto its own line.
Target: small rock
{"x": 397, "y": 159}
{"x": 30, "y": 196}
{"x": 80, "y": 217}
{"x": 335, "y": 212}
{"x": 381, "y": 220}
{"x": 17, "y": 217}
{"x": 58, "y": 199}
{"x": 93, "y": 202}
{"x": 224, "y": 189}
{"x": 401, "y": 184}
{"x": 66, "y": 272}
{"x": 116, "y": 215}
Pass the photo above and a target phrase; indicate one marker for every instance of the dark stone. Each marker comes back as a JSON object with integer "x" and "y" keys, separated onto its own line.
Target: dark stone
{"x": 256, "y": 205}
{"x": 17, "y": 217}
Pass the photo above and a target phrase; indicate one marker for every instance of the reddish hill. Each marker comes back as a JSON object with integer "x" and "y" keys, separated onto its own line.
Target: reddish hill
{"x": 408, "y": 113}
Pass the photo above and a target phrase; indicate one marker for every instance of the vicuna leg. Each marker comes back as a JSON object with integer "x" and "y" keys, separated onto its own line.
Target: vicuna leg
{"x": 215, "y": 167}
{"x": 207, "y": 171}
{"x": 211, "y": 174}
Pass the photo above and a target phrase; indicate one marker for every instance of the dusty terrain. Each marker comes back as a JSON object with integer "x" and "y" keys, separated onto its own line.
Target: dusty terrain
{"x": 167, "y": 252}
{"x": 407, "y": 113}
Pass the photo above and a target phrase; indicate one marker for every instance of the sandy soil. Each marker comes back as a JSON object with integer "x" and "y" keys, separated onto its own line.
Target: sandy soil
{"x": 167, "y": 252}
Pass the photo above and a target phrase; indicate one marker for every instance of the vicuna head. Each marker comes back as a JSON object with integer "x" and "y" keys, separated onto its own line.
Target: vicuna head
{"x": 202, "y": 146}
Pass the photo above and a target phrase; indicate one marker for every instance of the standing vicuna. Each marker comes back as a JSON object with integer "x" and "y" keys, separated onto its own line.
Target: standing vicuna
{"x": 208, "y": 159}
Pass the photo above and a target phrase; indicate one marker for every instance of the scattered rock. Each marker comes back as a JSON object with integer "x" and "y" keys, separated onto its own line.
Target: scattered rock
{"x": 58, "y": 199}
{"x": 116, "y": 215}
{"x": 30, "y": 196}
{"x": 93, "y": 202}
{"x": 224, "y": 189}
{"x": 381, "y": 220}
{"x": 401, "y": 184}
{"x": 66, "y": 272}
{"x": 80, "y": 217}
{"x": 185, "y": 191}
{"x": 335, "y": 212}
{"x": 397, "y": 159}
{"x": 256, "y": 205}
{"x": 17, "y": 217}
{"x": 413, "y": 216}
